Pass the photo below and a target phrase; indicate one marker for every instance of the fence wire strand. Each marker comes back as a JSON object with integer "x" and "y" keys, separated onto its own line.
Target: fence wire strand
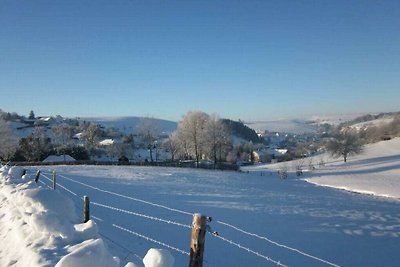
{"x": 278, "y": 263}
{"x": 277, "y": 244}
{"x": 150, "y": 239}
{"x": 141, "y": 215}
{"x": 128, "y": 197}
{"x": 60, "y": 185}
{"x": 179, "y": 224}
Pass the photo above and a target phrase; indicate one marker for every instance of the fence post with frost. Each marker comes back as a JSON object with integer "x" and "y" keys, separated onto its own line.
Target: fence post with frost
{"x": 86, "y": 211}
{"x": 37, "y": 176}
{"x": 199, "y": 225}
{"x": 54, "y": 180}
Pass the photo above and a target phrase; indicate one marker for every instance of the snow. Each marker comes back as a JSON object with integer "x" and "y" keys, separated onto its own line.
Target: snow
{"x": 39, "y": 227}
{"x": 128, "y": 125}
{"x": 88, "y": 253}
{"x": 58, "y": 158}
{"x": 158, "y": 258}
{"x": 297, "y": 126}
{"x": 107, "y": 142}
{"x": 140, "y": 216}
{"x": 376, "y": 171}
{"x": 373, "y": 123}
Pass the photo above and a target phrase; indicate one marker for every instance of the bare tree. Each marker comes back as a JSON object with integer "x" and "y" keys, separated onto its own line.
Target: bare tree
{"x": 63, "y": 134}
{"x": 91, "y": 135}
{"x": 192, "y": 128}
{"x": 148, "y": 129}
{"x": 173, "y": 145}
{"x": 8, "y": 141}
{"x": 128, "y": 145}
{"x": 217, "y": 138}
{"x": 344, "y": 144}
{"x": 36, "y": 146}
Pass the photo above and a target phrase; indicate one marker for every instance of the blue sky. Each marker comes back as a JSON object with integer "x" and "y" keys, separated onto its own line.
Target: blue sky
{"x": 251, "y": 60}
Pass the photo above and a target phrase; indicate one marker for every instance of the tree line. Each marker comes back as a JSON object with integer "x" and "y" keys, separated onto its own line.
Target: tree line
{"x": 199, "y": 136}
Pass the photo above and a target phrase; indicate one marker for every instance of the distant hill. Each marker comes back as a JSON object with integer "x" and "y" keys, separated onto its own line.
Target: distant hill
{"x": 297, "y": 126}
{"x": 242, "y": 131}
{"x": 300, "y": 126}
{"x": 129, "y": 124}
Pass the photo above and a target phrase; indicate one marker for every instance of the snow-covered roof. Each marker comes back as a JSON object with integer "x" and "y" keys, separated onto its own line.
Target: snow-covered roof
{"x": 58, "y": 158}
{"x": 107, "y": 142}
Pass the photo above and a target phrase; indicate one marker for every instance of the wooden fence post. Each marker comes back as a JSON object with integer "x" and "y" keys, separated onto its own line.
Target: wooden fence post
{"x": 37, "y": 176}
{"x": 199, "y": 225}
{"x": 86, "y": 211}
{"x": 54, "y": 180}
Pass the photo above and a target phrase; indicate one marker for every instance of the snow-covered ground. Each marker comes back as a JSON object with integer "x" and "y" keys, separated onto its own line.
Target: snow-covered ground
{"x": 261, "y": 219}
{"x": 300, "y": 125}
{"x": 375, "y": 171}
{"x": 128, "y": 125}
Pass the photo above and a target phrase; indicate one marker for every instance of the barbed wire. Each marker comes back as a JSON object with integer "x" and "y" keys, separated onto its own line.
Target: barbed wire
{"x": 141, "y": 215}
{"x": 278, "y": 263}
{"x": 127, "y": 197}
{"x": 121, "y": 246}
{"x": 43, "y": 183}
{"x": 277, "y": 244}
{"x": 151, "y": 239}
{"x": 180, "y": 224}
{"x": 60, "y": 185}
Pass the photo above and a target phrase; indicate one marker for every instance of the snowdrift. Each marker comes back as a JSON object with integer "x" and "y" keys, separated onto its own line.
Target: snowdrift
{"x": 41, "y": 228}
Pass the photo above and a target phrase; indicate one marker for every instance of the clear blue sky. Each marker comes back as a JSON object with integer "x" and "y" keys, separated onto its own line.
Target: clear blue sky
{"x": 241, "y": 59}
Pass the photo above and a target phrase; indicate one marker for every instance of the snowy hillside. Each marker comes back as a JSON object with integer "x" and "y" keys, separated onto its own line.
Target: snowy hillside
{"x": 299, "y": 126}
{"x": 129, "y": 125}
{"x": 376, "y": 171}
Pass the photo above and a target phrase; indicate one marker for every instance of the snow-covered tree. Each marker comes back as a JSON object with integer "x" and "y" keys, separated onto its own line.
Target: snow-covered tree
{"x": 345, "y": 143}
{"x": 8, "y": 141}
{"x": 91, "y": 135}
{"x": 217, "y": 139}
{"x": 36, "y": 146}
{"x": 63, "y": 134}
{"x": 148, "y": 129}
{"x": 128, "y": 145}
{"x": 173, "y": 145}
{"x": 192, "y": 132}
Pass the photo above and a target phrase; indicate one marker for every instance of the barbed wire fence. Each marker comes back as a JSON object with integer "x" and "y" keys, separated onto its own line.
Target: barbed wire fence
{"x": 215, "y": 234}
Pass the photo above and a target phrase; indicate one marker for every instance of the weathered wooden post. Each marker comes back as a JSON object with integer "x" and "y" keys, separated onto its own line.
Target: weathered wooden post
{"x": 86, "y": 211}
{"x": 37, "y": 176}
{"x": 54, "y": 180}
{"x": 199, "y": 225}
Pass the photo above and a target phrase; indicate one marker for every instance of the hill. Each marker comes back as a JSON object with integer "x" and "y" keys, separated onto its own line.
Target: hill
{"x": 300, "y": 125}
{"x": 376, "y": 171}
{"x": 129, "y": 124}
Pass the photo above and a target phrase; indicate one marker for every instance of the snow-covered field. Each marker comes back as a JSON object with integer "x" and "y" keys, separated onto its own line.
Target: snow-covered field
{"x": 261, "y": 219}
{"x": 375, "y": 171}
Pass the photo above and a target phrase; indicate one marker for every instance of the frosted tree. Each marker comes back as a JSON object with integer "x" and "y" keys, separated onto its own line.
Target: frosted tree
{"x": 36, "y": 146}
{"x": 148, "y": 129}
{"x": 192, "y": 132}
{"x": 63, "y": 134}
{"x": 128, "y": 145}
{"x": 91, "y": 136}
{"x": 8, "y": 141}
{"x": 173, "y": 145}
{"x": 345, "y": 143}
{"x": 217, "y": 139}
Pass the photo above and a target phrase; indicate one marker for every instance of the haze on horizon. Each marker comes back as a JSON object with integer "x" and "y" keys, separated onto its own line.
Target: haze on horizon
{"x": 249, "y": 60}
